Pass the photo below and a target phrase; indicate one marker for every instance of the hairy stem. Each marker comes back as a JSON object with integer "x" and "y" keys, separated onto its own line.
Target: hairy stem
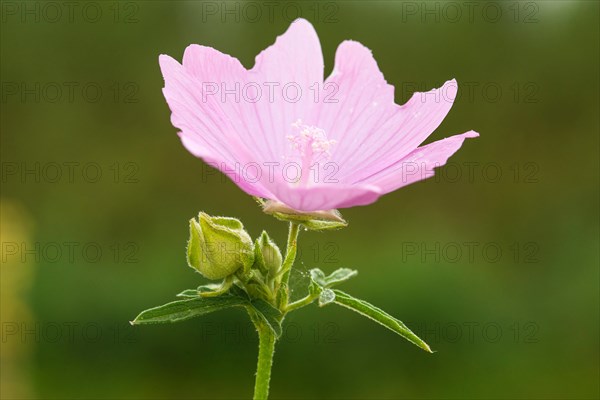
{"x": 288, "y": 262}
{"x": 266, "y": 349}
{"x": 300, "y": 303}
{"x": 266, "y": 337}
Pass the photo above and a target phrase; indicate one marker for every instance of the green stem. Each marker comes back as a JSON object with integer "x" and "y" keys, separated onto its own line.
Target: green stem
{"x": 288, "y": 262}
{"x": 300, "y": 303}
{"x": 266, "y": 337}
{"x": 266, "y": 349}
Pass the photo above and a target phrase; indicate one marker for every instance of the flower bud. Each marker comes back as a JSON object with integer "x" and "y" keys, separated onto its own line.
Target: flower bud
{"x": 267, "y": 254}
{"x": 219, "y": 246}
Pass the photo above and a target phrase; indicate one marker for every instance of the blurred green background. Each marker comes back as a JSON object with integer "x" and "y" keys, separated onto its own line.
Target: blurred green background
{"x": 494, "y": 263}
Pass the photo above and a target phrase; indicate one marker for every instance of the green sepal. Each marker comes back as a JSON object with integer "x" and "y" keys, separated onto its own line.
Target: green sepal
{"x": 381, "y": 317}
{"x": 314, "y": 220}
{"x": 209, "y": 287}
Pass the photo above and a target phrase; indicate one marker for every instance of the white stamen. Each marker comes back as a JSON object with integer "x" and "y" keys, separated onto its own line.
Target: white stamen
{"x": 311, "y": 141}
{"x": 311, "y": 147}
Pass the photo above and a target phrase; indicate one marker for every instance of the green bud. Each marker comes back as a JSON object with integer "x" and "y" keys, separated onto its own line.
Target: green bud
{"x": 267, "y": 254}
{"x": 219, "y": 246}
{"x": 313, "y": 220}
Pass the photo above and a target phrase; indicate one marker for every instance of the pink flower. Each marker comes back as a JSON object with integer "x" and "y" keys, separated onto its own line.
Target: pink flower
{"x": 282, "y": 132}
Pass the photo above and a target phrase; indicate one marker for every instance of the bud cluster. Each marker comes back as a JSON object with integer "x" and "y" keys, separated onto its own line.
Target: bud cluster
{"x": 220, "y": 248}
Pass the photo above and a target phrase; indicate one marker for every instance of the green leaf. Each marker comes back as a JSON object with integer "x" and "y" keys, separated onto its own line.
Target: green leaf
{"x": 327, "y": 296}
{"x": 379, "y": 316}
{"x": 189, "y": 293}
{"x": 182, "y": 310}
{"x": 269, "y": 314}
{"x": 318, "y": 276}
{"x": 340, "y": 275}
{"x": 336, "y": 277}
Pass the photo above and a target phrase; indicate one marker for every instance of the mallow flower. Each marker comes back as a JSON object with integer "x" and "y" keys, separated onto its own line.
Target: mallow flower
{"x": 283, "y": 132}
{"x": 304, "y": 146}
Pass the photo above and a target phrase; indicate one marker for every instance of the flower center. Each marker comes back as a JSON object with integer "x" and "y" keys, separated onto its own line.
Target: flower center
{"x": 311, "y": 147}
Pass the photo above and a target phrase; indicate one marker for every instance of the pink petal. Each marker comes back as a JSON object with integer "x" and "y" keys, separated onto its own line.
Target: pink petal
{"x": 211, "y": 71}
{"x": 410, "y": 126}
{"x": 374, "y": 141}
{"x": 417, "y": 165}
{"x": 293, "y": 62}
{"x": 361, "y": 102}
{"x": 232, "y": 129}
{"x": 209, "y": 127}
{"x": 327, "y": 197}
{"x": 232, "y": 170}
{"x": 372, "y": 131}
